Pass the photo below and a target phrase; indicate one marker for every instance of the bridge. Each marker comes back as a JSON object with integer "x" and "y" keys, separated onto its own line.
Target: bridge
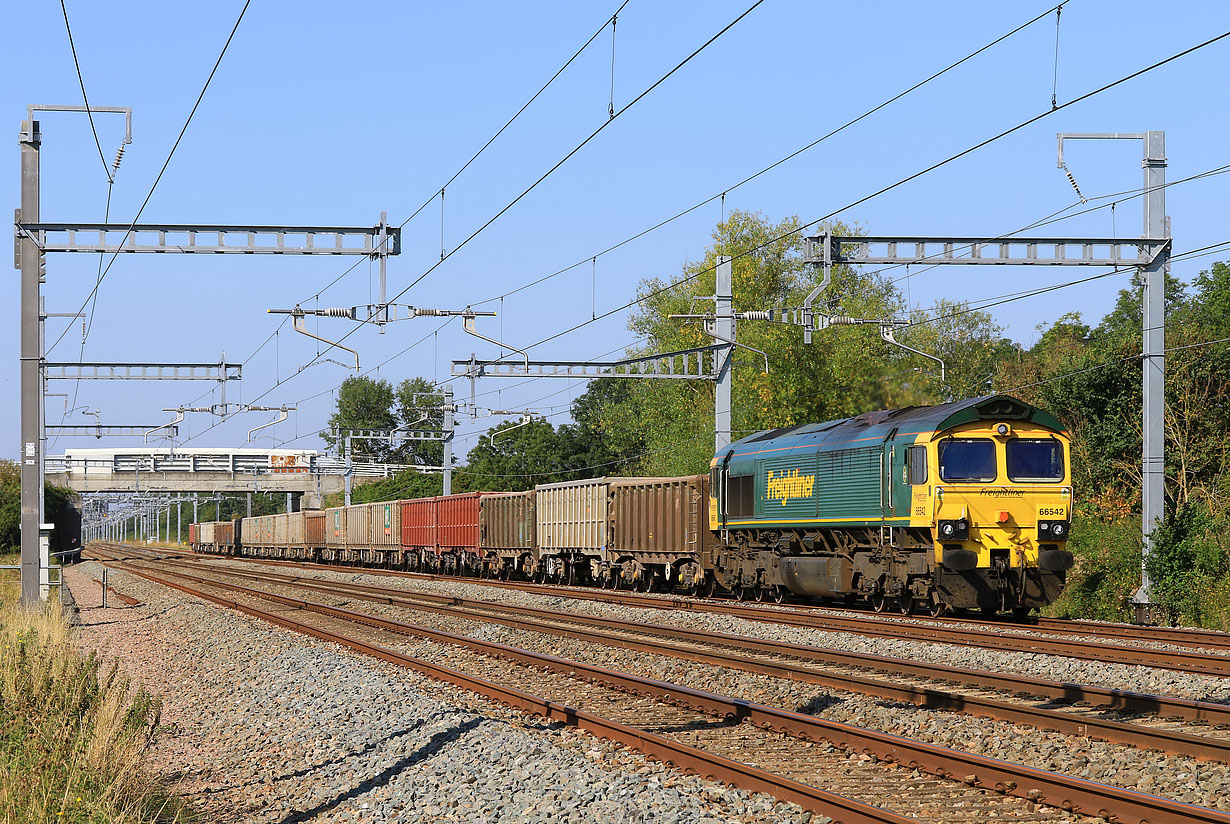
{"x": 306, "y": 474}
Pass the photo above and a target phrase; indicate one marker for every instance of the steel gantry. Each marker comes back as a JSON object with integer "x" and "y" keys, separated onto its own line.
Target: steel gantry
{"x": 406, "y": 434}
{"x": 706, "y": 363}
{"x": 1149, "y": 254}
{"x": 34, "y": 239}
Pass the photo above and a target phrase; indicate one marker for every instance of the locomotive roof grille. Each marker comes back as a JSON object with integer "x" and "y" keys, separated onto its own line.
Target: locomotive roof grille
{"x": 939, "y": 418}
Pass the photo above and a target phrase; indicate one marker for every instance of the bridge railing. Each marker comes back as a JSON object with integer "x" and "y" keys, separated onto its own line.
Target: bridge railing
{"x": 227, "y": 463}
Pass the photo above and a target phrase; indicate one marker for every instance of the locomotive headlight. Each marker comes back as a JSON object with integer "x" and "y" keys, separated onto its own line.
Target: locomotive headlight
{"x": 1052, "y": 530}
{"x": 955, "y": 530}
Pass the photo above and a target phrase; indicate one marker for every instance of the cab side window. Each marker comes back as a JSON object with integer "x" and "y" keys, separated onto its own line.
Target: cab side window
{"x": 916, "y": 465}
{"x": 741, "y": 490}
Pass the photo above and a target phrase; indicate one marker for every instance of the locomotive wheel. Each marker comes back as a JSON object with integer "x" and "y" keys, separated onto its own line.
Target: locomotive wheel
{"x": 938, "y": 608}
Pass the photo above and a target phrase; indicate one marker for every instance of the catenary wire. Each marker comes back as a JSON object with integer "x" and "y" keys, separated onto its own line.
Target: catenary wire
{"x": 775, "y": 164}
{"x": 561, "y": 162}
{"x": 165, "y": 164}
{"x": 728, "y": 189}
{"x": 677, "y": 283}
{"x": 81, "y": 81}
{"x": 492, "y": 139}
{"x": 1106, "y": 87}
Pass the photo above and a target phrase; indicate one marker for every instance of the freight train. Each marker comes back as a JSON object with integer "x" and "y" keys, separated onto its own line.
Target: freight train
{"x": 963, "y": 505}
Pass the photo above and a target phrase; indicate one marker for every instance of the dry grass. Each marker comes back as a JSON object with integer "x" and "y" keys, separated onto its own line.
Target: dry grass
{"x": 73, "y": 737}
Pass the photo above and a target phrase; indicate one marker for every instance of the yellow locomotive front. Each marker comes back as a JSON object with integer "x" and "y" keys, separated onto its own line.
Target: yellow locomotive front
{"x": 998, "y": 503}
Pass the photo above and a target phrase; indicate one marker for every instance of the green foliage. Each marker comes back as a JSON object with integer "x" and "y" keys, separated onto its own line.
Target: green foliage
{"x": 521, "y": 457}
{"x": 1090, "y": 378}
{"x": 847, "y": 370}
{"x": 417, "y": 407}
{"x": 56, "y": 500}
{"x": 210, "y": 509}
{"x": 73, "y": 736}
{"x": 362, "y": 403}
{"x": 408, "y": 484}
{"x": 1106, "y": 573}
{"x": 1190, "y": 565}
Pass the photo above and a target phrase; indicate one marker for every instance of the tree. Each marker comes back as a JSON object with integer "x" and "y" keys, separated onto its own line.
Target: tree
{"x": 527, "y": 455}
{"x": 57, "y": 499}
{"x": 362, "y": 403}
{"x": 418, "y": 407}
{"x": 847, "y": 370}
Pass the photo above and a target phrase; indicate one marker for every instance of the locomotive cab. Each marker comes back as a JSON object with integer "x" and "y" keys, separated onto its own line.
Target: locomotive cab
{"x": 997, "y": 498}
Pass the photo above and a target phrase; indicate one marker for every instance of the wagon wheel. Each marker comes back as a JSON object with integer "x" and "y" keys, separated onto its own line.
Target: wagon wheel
{"x": 780, "y": 593}
{"x": 708, "y": 587}
{"x": 938, "y": 607}
{"x": 906, "y": 604}
{"x": 762, "y": 593}
{"x": 647, "y": 581}
{"x": 879, "y": 602}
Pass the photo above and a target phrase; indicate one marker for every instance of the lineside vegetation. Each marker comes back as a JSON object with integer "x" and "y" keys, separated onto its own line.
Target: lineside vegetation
{"x": 73, "y": 735}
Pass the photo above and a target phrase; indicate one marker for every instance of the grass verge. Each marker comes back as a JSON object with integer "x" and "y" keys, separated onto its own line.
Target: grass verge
{"x": 73, "y": 735}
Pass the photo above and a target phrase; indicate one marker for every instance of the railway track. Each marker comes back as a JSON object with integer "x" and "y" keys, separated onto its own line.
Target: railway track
{"x": 967, "y": 634}
{"x": 678, "y": 717}
{"x": 815, "y": 665}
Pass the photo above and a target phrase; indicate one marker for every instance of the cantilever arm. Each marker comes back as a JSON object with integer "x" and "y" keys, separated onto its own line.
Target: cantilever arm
{"x": 468, "y": 323}
{"x": 179, "y": 416}
{"x": 298, "y": 314}
{"x": 526, "y": 417}
{"x": 760, "y": 352}
{"x": 886, "y": 332}
{"x": 283, "y": 414}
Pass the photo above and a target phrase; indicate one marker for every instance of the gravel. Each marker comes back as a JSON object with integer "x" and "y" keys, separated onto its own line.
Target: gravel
{"x": 1181, "y": 778}
{"x": 1053, "y": 667}
{"x": 264, "y": 725}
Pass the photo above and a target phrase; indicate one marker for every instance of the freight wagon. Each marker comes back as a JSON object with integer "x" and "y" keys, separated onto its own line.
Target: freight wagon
{"x": 956, "y": 506}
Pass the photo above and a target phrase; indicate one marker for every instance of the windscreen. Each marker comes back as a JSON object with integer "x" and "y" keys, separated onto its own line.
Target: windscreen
{"x": 967, "y": 460}
{"x": 1035, "y": 460}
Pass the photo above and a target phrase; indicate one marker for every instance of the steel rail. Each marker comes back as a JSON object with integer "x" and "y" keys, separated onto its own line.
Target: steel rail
{"x": 1195, "y": 746}
{"x": 1065, "y": 792}
{"x": 1177, "y": 636}
{"x": 690, "y": 759}
{"x": 1185, "y": 709}
{"x": 1180, "y": 636}
{"x": 1191, "y": 662}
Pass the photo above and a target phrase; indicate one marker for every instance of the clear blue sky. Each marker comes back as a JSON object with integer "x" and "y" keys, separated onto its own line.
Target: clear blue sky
{"x": 325, "y": 115}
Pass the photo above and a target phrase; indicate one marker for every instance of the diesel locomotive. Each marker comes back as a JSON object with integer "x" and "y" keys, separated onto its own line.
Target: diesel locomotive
{"x": 963, "y": 505}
